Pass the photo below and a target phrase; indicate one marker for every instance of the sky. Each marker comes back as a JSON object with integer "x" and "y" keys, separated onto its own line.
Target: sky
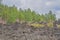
{"x": 40, "y": 6}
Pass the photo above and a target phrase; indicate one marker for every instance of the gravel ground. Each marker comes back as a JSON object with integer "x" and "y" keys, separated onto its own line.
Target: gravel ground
{"x": 25, "y": 32}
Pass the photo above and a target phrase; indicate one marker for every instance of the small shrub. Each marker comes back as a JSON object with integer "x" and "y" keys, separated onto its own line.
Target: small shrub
{"x": 37, "y": 25}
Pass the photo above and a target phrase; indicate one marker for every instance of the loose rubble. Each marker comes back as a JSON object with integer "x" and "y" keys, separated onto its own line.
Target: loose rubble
{"x": 19, "y": 31}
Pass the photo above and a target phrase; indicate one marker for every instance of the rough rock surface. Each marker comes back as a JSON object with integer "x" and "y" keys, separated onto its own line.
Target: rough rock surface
{"x": 25, "y": 32}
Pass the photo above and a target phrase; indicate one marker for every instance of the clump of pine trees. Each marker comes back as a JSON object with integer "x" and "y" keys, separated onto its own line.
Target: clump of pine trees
{"x": 11, "y": 14}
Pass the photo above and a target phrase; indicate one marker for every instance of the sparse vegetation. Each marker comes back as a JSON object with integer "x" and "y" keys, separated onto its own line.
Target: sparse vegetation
{"x": 11, "y": 14}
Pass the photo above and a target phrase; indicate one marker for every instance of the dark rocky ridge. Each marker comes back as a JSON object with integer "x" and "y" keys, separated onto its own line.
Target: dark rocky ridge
{"x": 25, "y": 32}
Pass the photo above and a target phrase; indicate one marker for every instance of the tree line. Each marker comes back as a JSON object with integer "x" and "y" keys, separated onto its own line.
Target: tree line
{"x": 11, "y": 14}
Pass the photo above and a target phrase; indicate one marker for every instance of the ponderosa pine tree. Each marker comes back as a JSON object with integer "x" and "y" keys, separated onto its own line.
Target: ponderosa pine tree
{"x": 51, "y": 16}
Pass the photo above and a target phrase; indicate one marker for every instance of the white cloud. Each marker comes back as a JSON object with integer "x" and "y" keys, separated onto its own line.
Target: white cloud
{"x": 49, "y": 3}
{"x": 57, "y": 12}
